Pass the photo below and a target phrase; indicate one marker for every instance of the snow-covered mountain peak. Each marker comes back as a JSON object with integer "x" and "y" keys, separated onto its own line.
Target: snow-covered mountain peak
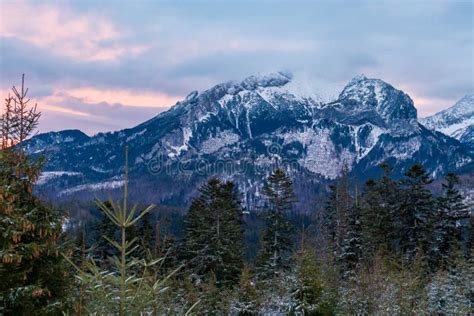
{"x": 362, "y": 94}
{"x": 359, "y": 77}
{"x": 277, "y": 79}
{"x": 456, "y": 121}
{"x": 464, "y": 107}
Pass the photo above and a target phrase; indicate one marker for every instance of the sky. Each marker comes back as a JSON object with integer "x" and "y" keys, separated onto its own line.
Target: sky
{"x": 107, "y": 65}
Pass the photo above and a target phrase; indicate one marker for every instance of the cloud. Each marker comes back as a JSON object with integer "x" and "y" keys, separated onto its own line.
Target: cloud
{"x": 61, "y": 31}
{"x": 63, "y": 111}
{"x": 125, "y": 97}
{"x": 142, "y": 54}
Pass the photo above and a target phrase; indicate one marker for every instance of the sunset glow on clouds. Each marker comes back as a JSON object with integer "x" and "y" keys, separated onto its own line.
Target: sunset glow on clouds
{"x": 81, "y": 37}
{"x": 102, "y": 66}
{"x": 127, "y": 98}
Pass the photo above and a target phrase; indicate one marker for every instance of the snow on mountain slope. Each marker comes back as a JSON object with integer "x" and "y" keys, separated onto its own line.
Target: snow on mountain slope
{"x": 456, "y": 121}
{"x": 242, "y": 130}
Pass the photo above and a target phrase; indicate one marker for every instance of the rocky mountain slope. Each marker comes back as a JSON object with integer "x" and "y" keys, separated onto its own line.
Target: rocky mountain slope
{"x": 456, "y": 121}
{"x": 241, "y": 131}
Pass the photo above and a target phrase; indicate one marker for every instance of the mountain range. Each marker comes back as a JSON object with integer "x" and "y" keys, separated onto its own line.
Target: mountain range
{"x": 243, "y": 130}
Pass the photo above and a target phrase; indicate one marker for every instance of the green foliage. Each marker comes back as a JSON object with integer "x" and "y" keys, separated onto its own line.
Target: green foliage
{"x": 351, "y": 246}
{"x": 451, "y": 211}
{"x": 310, "y": 285}
{"x": 413, "y": 223}
{"x": 214, "y": 233}
{"x": 378, "y": 207}
{"x": 450, "y": 291}
{"x": 214, "y": 300}
{"x": 382, "y": 287}
{"x": 32, "y": 275}
{"x": 103, "y": 250}
{"x": 277, "y": 242}
{"x": 248, "y": 298}
{"x": 130, "y": 287}
{"x": 145, "y": 236}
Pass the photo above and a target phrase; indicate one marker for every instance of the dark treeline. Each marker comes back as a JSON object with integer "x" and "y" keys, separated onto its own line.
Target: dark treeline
{"x": 275, "y": 259}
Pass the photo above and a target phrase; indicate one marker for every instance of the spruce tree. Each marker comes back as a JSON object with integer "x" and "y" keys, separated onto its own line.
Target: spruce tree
{"x": 145, "y": 236}
{"x": 214, "y": 233}
{"x": 247, "y": 295}
{"x": 451, "y": 213}
{"x": 329, "y": 213}
{"x": 414, "y": 217}
{"x": 351, "y": 245}
{"x": 32, "y": 273}
{"x": 103, "y": 250}
{"x": 378, "y": 207}
{"x": 277, "y": 240}
{"x": 128, "y": 288}
{"x": 336, "y": 213}
{"x": 310, "y": 287}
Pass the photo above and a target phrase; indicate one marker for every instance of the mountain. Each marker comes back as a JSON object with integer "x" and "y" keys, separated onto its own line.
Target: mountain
{"x": 241, "y": 131}
{"x": 456, "y": 121}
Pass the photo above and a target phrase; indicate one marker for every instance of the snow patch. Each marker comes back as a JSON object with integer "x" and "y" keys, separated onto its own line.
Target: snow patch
{"x": 187, "y": 135}
{"x": 106, "y": 185}
{"x": 214, "y": 143}
{"x": 50, "y": 175}
{"x": 321, "y": 156}
{"x": 132, "y": 137}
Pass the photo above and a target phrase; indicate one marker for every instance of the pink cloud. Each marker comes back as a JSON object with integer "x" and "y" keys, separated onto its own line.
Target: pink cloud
{"x": 124, "y": 97}
{"x": 63, "y": 32}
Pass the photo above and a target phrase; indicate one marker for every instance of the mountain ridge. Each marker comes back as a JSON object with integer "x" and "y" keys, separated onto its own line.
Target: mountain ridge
{"x": 456, "y": 121}
{"x": 242, "y": 130}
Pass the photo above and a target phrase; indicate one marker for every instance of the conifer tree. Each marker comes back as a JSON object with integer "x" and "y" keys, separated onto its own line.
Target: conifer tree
{"x": 103, "y": 250}
{"x": 80, "y": 259}
{"x": 32, "y": 274}
{"x": 351, "y": 245}
{"x": 248, "y": 296}
{"x": 450, "y": 291}
{"x": 378, "y": 207}
{"x": 145, "y": 236}
{"x": 127, "y": 288}
{"x": 414, "y": 217}
{"x": 310, "y": 286}
{"x": 451, "y": 212}
{"x": 277, "y": 236}
{"x": 336, "y": 213}
{"x": 329, "y": 213}
{"x": 214, "y": 233}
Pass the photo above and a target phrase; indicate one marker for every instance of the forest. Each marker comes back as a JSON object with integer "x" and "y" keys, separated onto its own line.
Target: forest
{"x": 389, "y": 247}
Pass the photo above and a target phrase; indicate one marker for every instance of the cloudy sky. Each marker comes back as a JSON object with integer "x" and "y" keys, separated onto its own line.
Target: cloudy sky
{"x": 107, "y": 65}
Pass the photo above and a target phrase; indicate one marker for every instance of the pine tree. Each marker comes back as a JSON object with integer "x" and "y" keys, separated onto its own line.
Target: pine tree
{"x": 214, "y": 233}
{"x": 309, "y": 292}
{"x": 145, "y": 236}
{"x": 351, "y": 246}
{"x": 247, "y": 295}
{"x": 103, "y": 250}
{"x": 80, "y": 259}
{"x": 451, "y": 212}
{"x": 127, "y": 288}
{"x": 377, "y": 211}
{"x": 450, "y": 290}
{"x": 337, "y": 212}
{"x": 215, "y": 300}
{"x": 277, "y": 236}
{"x": 32, "y": 274}
{"x": 414, "y": 219}
{"x": 329, "y": 213}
